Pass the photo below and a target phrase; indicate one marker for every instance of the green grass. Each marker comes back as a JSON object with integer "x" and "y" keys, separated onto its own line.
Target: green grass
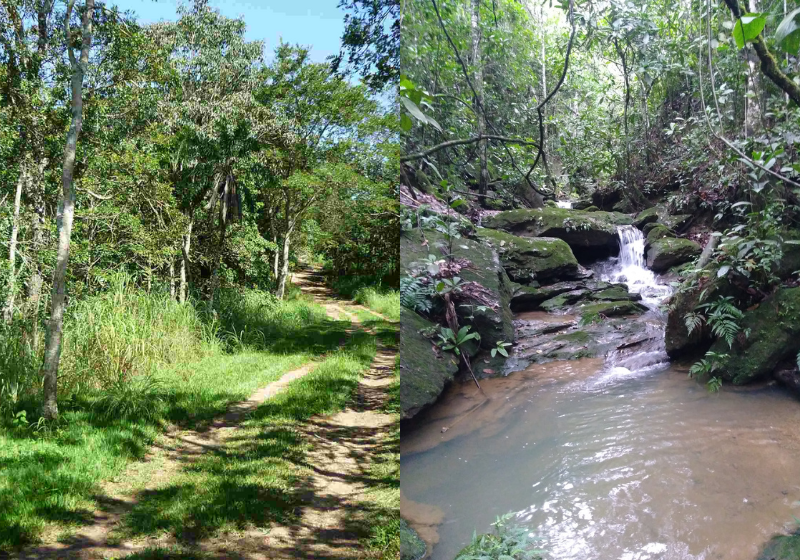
{"x": 260, "y": 477}
{"x": 386, "y": 303}
{"x": 153, "y": 363}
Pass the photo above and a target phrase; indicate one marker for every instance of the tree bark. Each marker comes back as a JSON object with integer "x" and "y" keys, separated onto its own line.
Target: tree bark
{"x": 172, "y": 280}
{"x": 284, "y": 271}
{"x": 52, "y": 353}
{"x": 37, "y": 239}
{"x": 187, "y": 242}
{"x": 769, "y": 65}
{"x": 8, "y": 308}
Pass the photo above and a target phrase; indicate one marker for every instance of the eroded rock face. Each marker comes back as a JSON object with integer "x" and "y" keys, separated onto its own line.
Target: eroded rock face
{"x": 488, "y": 306}
{"x": 563, "y": 295}
{"x": 526, "y": 259}
{"x": 668, "y": 252}
{"x": 590, "y": 233}
{"x": 424, "y": 371}
{"x": 774, "y": 336}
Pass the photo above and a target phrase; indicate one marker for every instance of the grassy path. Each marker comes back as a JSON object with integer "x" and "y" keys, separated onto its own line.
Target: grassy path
{"x": 284, "y": 474}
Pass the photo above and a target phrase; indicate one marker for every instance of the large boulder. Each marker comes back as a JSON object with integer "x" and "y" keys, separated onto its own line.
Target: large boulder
{"x": 527, "y": 258}
{"x": 774, "y": 336}
{"x": 484, "y": 302}
{"x": 646, "y": 217}
{"x": 529, "y": 298}
{"x": 593, "y": 234}
{"x": 656, "y": 232}
{"x": 607, "y": 196}
{"x": 424, "y": 371}
{"x": 668, "y": 252}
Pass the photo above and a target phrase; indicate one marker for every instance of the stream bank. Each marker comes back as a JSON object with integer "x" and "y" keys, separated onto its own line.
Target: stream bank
{"x": 591, "y": 403}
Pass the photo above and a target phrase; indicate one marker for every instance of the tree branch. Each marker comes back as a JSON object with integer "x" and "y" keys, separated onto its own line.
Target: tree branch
{"x": 461, "y": 142}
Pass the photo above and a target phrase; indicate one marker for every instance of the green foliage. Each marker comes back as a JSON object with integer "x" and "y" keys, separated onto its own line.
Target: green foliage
{"x": 747, "y": 28}
{"x": 501, "y": 349}
{"x": 507, "y": 542}
{"x": 723, "y": 318}
{"x": 705, "y": 367}
{"x": 448, "y": 340}
{"x": 384, "y": 302}
{"x": 416, "y": 293}
{"x": 787, "y": 35}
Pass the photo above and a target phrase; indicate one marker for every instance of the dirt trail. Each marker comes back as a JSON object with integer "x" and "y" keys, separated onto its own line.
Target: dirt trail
{"x": 342, "y": 447}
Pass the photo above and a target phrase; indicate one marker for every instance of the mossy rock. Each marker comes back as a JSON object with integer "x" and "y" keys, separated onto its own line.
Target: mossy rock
{"x": 783, "y": 547}
{"x": 616, "y": 293}
{"x": 565, "y": 299}
{"x": 592, "y": 208}
{"x": 611, "y": 308}
{"x": 704, "y": 283}
{"x": 606, "y": 196}
{"x": 412, "y": 547}
{"x": 647, "y": 228}
{"x": 667, "y": 252}
{"x": 583, "y": 205}
{"x": 645, "y": 217}
{"x": 593, "y": 231}
{"x": 575, "y": 337}
{"x": 529, "y": 298}
{"x": 494, "y": 323}
{"x": 625, "y": 206}
{"x": 658, "y": 232}
{"x": 774, "y": 336}
{"x": 676, "y": 222}
{"x": 526, "y": 258}
{"x": 423, "y": 374}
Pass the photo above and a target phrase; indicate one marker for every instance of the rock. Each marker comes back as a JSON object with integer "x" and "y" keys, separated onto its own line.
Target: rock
{"x": 611, "y": 308}
{"x": 676, "y": 223}
{"x": 592, "y": 208}
{"x": 494, "y": 323}
{"x": 647, "y": 228}
{"x": 774, "y": 336}
{"x": 625, "y": 206}
{"x": 645, "y": 217}
{"x": 582, "y": 205}
{"x": 618, "y": 292}
{"x": 593, "y": 233}
{"x": 667, "y": 252}
{"x": 705, "y": 283}
{"x": 782, "y": 547}
{"x": 526, "y": 259}
{"x": 788, "y": 375}
{"x": 565, "y": 299}
{"x": 529, "y": 298}
{"x": 423, "y": 372}
{"x": 658, "y": 232}
{"x": 412, "y": 547}
{"x": 607, "y": 196}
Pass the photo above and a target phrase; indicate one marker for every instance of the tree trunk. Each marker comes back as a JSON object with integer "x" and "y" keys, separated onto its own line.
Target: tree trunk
{"x": 483, "y": 177}
{"x": 284, "y": 271}
{"x": 187, "y": 241}
{"x": 52, "y": 353}
{"x": 8, "y": 309}
{"x": 37, "y": 238}
{"x": 172, "y": 280}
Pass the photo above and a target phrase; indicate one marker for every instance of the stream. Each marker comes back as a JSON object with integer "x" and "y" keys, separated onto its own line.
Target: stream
{"x": 622, "y": 458}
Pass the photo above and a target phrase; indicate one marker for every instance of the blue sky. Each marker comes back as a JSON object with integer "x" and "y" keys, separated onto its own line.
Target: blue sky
{"x": 312, "y": 23}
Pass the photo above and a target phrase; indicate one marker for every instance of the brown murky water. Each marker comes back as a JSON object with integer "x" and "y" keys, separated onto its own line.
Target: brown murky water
{"x": 608, "y": 465}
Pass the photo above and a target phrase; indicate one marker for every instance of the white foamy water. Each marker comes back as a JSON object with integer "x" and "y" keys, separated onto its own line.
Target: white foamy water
{"x": 564, "y": 203}
{"x": 630, "y": 268}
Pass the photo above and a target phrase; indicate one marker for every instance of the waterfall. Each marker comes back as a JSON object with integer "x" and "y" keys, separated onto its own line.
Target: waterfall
{"x": 564, "y": 203}
{"x": 630, "y": 268}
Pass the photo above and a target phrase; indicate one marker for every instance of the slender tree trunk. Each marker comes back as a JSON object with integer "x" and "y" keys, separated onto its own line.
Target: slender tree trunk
{"x": 172, "y": 280}
{"x": 52, "y": 353}
{"x": 187, "y": 242}
{"x": 8, "y": 309}
{"x": 37, "y": 238}
{"x": 284, "y": 271}
{"x": 483, "y": 177}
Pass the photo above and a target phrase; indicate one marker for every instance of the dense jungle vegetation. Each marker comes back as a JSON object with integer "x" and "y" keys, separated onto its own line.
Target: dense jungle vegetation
{"x": 159, "y": 186}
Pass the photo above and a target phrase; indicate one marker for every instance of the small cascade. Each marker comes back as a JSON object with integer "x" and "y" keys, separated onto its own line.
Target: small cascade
{"x": 630, "y": 268}
{"x": 564, "y": 203}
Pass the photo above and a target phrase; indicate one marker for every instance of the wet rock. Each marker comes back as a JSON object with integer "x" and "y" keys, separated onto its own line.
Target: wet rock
{"x": 646, "y": 217}
{"x": 611, "y": 308}
{"x": 526, "y": 258}
{"x": 494, "y": 322}
{"x": 782, "y": 547}
{"x": 582, "y": 205}
{"x": 592, "y": 233}
{"x": 617, "y": 293}
{"x": 647, "y": 228}
{"x": 565, "y": 299}
{"x": 532, "y": 328}
{"x": 667, "y": 252}
{"x": 412, "y": 547}
{"x": 626, "y": 206}
{"x": 774, "y": 336}
{"x": 424, "y": 371}
{"x": 529, "y": 298}
{"x": 592, "y": 208}
{"x": 788, "y": 375}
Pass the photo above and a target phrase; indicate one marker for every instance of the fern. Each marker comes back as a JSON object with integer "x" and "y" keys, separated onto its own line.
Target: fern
{"x": 416, "y": 294}
{"x": 723, "y": 318}
{"x": 693, "y": 321}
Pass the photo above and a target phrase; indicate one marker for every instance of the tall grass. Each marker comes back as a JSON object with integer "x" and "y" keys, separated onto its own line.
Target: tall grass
{"x": 387, "y": 302}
